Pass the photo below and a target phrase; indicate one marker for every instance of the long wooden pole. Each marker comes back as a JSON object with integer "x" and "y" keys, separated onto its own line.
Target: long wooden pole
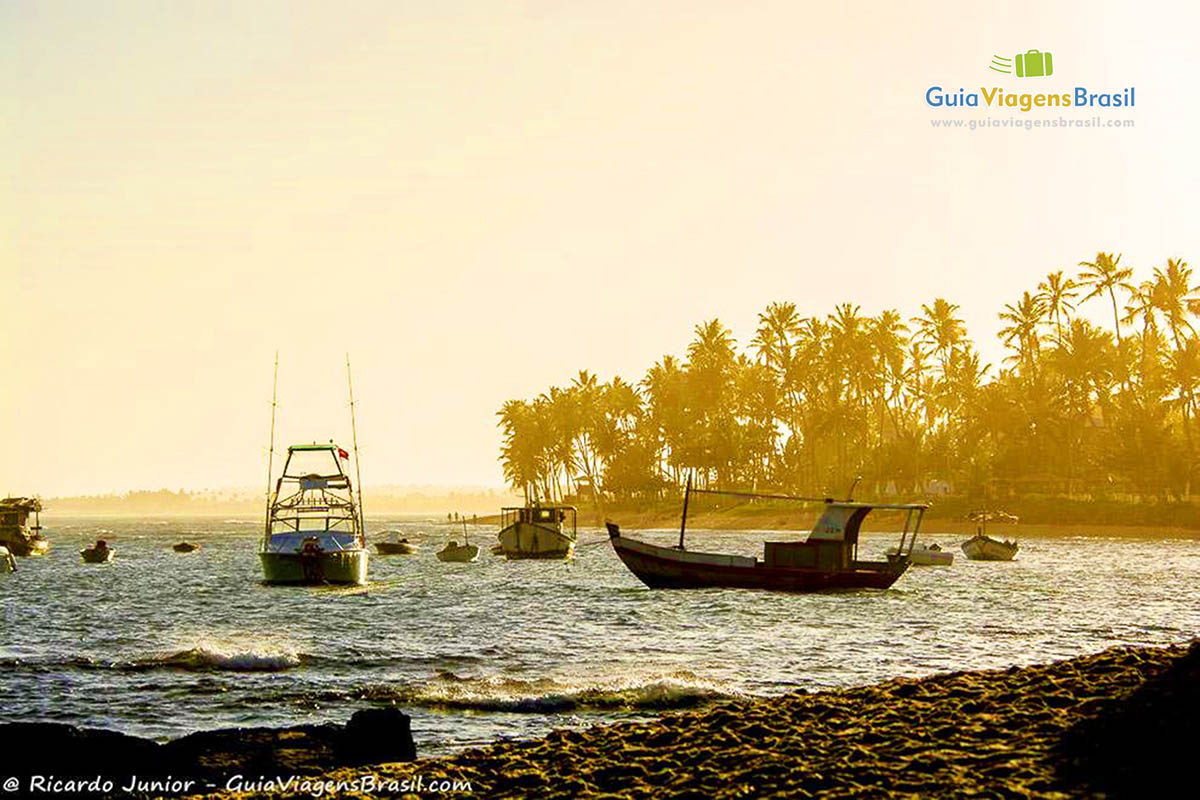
{"x": 362, "y": 521}
{"x": 683, "y": 522}
{"x": 271, "y": 446}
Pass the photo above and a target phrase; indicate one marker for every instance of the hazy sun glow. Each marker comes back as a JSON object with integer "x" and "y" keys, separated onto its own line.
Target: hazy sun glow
{"x": 477, "y": 201}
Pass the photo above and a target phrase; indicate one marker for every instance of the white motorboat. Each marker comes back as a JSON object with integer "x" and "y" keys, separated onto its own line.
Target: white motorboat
{"x": 928, "y": 555}
{"x": 8, "y": 563}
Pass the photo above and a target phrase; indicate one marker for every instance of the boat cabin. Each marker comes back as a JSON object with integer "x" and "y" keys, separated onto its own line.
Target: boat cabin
{"x": 554, "y": 517}
{"x": 313, "y": 494}
{"x": 833, "y": 542}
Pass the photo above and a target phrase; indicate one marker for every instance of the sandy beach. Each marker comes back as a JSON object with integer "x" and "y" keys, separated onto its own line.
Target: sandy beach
{"x": 1115, "y": 723}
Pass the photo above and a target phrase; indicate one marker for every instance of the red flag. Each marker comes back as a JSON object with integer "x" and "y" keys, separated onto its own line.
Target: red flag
{"x": 343, "y": 454}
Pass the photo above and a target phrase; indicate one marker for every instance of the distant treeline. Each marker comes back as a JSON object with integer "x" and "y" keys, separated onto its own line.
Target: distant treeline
{"x": 1075, "y": 409}
{"x": 249, "y": 503}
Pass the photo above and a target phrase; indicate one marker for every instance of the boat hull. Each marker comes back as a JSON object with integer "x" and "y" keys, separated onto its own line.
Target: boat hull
{"x": 25, "y": 545}
{"x": 297, "y": 569}
{"x": 94, "y": 556}
{"x": 526, "y": 540}
{"x": 984, "y": 548}
{"x": 668, "y": 568}
{"x": 7, "y": 562}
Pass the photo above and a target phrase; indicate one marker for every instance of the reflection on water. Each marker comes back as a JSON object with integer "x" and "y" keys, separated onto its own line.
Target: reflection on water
{"x": 160, "y": 643}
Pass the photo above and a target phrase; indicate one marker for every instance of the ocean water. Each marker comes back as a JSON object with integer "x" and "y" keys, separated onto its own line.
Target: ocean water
{"x": 160, "y": 644}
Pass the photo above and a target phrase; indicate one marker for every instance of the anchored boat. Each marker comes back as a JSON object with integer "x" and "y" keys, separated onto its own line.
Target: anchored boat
{"x": 394, "y": 545}
{"x": 16, "y": 534}
{"x": 314, "y": 528}
{"x": 537, "y": 531}
{"x": 827, "y": 559}
{"x": 99, "y": 553}
{"x": 982, "y": 547}
{"x": 454, "y": 551}
{"x": 927, "y": 555}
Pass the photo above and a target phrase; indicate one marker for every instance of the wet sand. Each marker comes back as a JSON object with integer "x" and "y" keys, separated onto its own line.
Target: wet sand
{"x": 1116, "y": 723}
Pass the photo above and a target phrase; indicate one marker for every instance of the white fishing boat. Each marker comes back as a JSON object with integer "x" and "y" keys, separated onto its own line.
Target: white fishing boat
{"x": 927, "y": 555}
{"x": 982, "y": 547}
{"x": 314, "y": 528}
{"x": 537, "y": 531}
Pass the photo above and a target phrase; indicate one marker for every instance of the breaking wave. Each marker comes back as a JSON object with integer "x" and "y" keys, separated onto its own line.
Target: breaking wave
{"x": 196, "y": 659}
{"x": 545, "y": 696}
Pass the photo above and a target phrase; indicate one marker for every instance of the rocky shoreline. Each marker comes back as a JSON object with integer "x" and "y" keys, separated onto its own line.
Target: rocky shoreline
{"x": 1121, "y": 723}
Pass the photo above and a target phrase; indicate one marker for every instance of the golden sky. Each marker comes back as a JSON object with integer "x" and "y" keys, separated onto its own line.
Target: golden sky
{"x": 476, "y": 200}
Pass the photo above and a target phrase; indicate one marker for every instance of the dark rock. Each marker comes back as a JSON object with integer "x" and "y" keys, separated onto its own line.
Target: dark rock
{"x": 65, "y": 751}
{"x": 377, "y": 736}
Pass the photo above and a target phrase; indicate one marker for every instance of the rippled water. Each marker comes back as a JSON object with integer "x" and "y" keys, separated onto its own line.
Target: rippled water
{"x": 159, "y": 643}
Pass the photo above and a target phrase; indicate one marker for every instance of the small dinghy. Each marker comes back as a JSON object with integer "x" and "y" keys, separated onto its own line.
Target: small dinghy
{"x": 982, "y": 547}
{"x": 186, "y": 547}
{"x": 454, "y": 551}
{"x": 393, "y": 545}
{"x": 100, "y": 553}
{"x": 8, "y": 563}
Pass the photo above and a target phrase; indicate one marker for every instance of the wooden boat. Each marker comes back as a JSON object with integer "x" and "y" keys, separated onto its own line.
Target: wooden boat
{"x": 928, "y": 555}
{"x": 185, "y": 547}
{"x": 99, "y": 553}
{"x": 538, "y": 531}
{"x": 8, "y": 563}
{"x": 982, "y": 547}
{"x": 827, "y": 559}
{"x": 16, "y": 534}
{"x": 454, "y": 551}
{"x": 985, "y": 548}
{"x": 394, "y": 546}
{"x": 314, "y": 528}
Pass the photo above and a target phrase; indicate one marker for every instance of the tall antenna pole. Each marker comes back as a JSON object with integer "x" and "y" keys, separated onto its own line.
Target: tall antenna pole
{"x": 362, "y": 522}
{"x": 683, "y": 522}
{"x": 271, "y": 448}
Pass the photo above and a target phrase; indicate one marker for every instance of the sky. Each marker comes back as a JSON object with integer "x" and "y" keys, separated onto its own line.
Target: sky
{"x": 478, "y": 200}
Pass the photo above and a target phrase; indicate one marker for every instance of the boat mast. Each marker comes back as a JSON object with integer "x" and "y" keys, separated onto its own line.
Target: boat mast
{"x": 362, "y": 524}
{"x": 683, "y": 522}
{"x": 271, "y": 446}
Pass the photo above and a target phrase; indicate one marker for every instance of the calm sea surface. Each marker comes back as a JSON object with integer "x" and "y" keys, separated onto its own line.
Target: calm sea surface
{"x": 160, "y": 644}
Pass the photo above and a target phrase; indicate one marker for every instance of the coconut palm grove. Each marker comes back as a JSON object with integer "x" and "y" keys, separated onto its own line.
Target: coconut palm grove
{"x": 1075, "y": 410}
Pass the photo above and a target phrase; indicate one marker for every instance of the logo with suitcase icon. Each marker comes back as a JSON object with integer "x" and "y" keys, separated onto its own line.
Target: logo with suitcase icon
{"x": 1030, "y": 64}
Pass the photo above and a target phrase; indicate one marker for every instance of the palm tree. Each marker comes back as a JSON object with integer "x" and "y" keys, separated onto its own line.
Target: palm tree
{"x": 1174, "y": 296}
{"x": 938, "y": 328}
{"x": 1056, "y": 293}
{"x": 1024, "y": 318}
{"x": 1104, "y": 275}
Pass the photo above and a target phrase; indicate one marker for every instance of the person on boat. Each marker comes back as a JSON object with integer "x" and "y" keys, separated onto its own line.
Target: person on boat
{"x": 101, "y": 546}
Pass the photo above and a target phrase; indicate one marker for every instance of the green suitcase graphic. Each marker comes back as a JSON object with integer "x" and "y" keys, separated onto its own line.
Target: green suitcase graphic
{"x": 1034, "y": 64}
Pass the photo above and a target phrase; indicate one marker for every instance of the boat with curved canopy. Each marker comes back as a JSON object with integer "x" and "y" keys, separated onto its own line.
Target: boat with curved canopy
{"x": 827, "y": 559}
